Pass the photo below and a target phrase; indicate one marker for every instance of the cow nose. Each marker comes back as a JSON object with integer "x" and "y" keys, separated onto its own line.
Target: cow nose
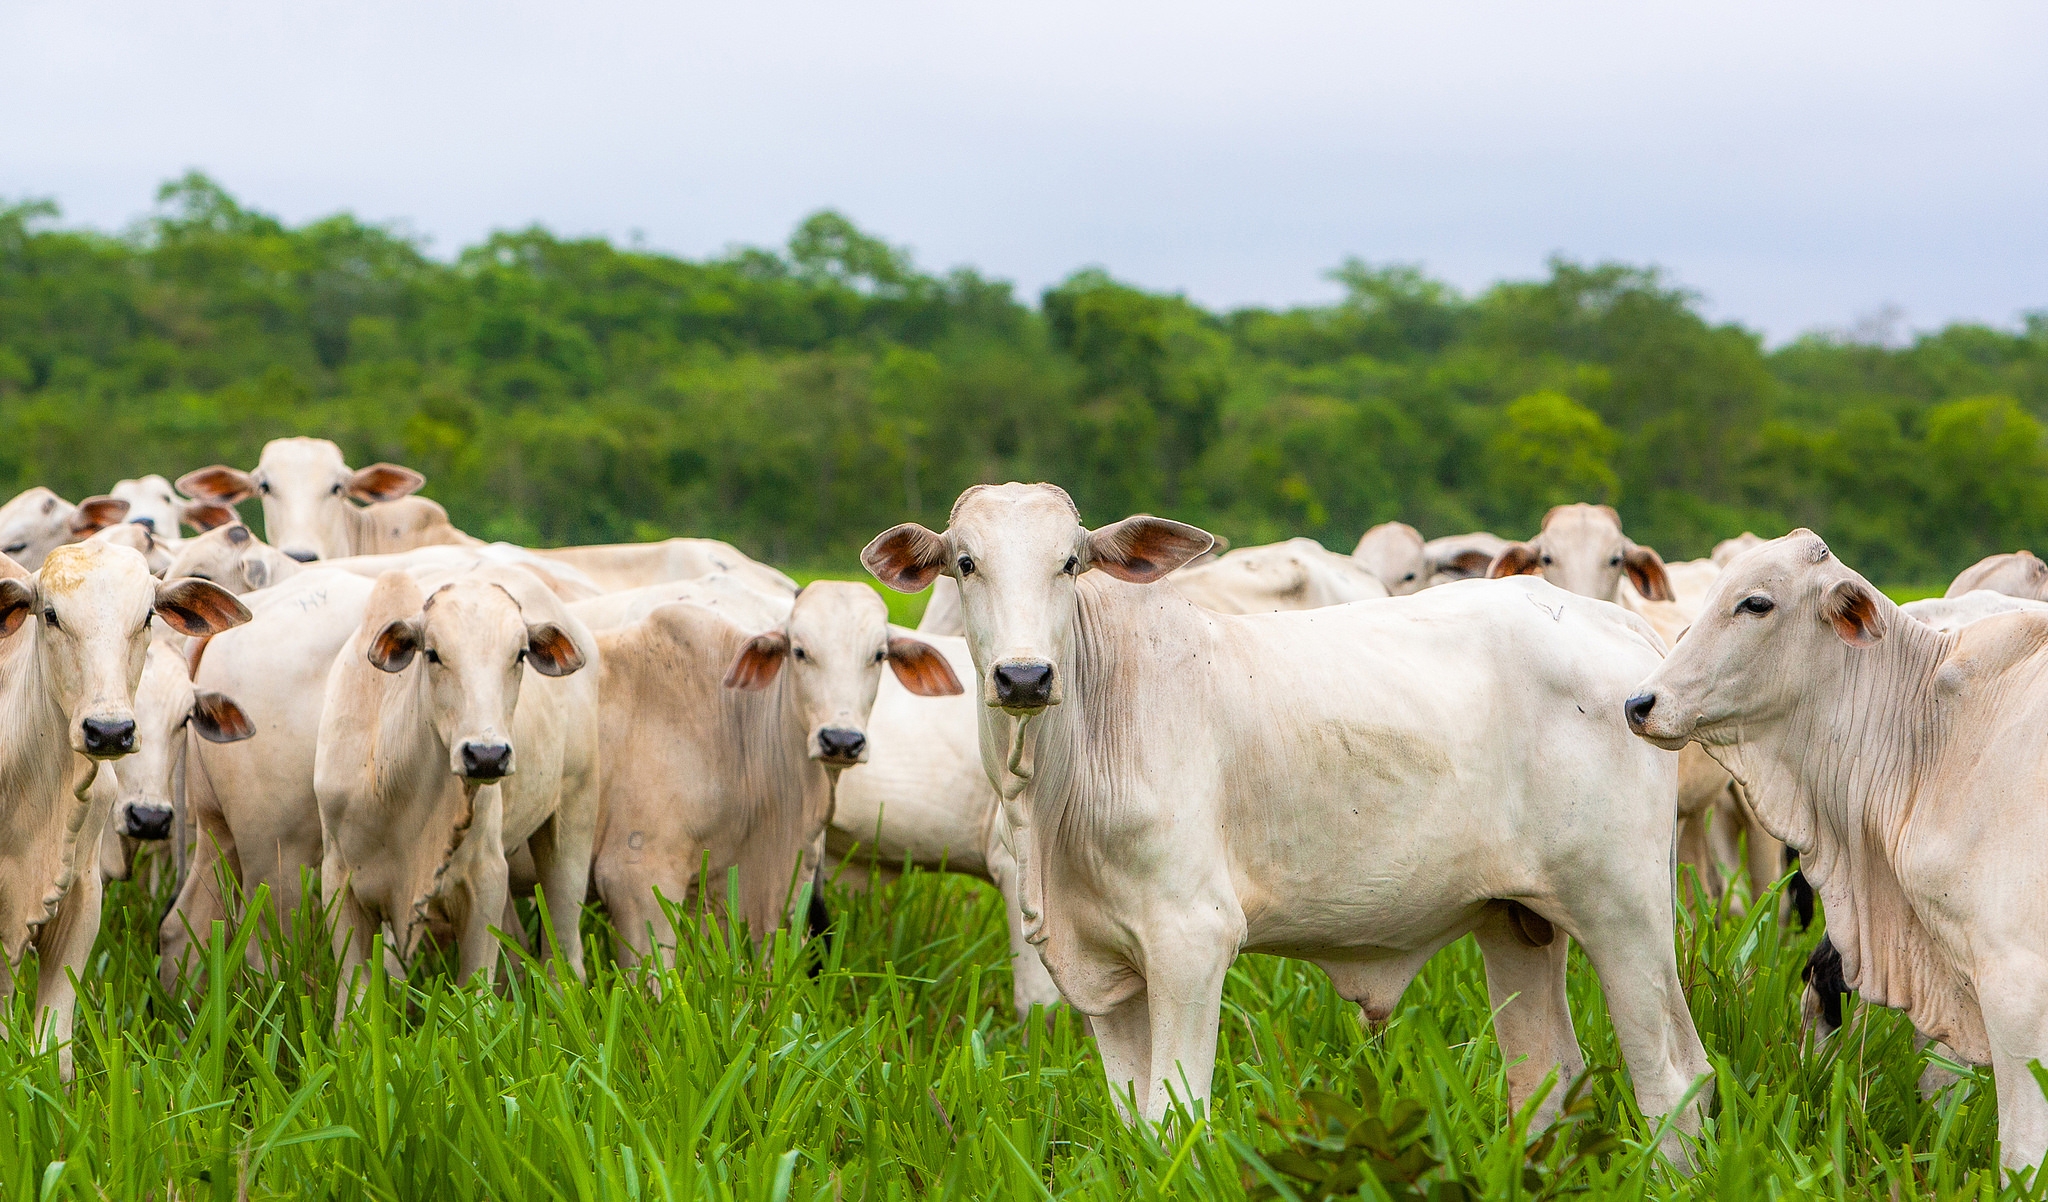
{"x": 839, "y": 743}
{"x": 147, "y": 822}
{"x": 486, "y": 761}
{"x": 148, "y": 524}
{"x": 1024, "y": 686}
{"x": 303, "y": 556}
{"x": 1638, "y": 708}
{"x": 109, "y": 736}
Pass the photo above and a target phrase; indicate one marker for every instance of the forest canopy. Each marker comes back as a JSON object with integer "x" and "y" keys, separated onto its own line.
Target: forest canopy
{"x": 797, "y": 401}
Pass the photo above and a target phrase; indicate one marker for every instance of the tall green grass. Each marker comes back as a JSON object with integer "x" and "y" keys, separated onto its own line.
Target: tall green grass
{"x": 891, "y": 1067}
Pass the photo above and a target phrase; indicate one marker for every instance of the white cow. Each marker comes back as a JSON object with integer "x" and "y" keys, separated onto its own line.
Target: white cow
{"x": 239, "y": 562}
{"x": 154, "y": 505}
{"x": 1185, "y": 786}
{"x": 457, "y": 726}
{"x": 618, "y": 566}
{"x": 306, "y": 489}
{"x": 144, "y": 791}
{"x": 1396, "y": 553}
{"x": 1906, "y": 767}
{"x": 39, "y": 521}
{"x": 73, "y": 638}
{"x": 2017, "y": 574}
{"x": 1297, "y": 574}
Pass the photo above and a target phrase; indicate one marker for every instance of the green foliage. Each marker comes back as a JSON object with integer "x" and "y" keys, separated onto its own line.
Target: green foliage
{"x": 798, "y": 401}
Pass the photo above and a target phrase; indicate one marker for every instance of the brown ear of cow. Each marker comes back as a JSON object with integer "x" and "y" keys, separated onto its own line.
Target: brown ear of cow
{"x": 218, "y": 719}
{"x": 17, "y": 601}
{"x": 1515, "y": 559}
{"x": 219, "y": 483}
{"x": 384, "y": 482}
{"x": 199, "y": 607}
{"x": 205, "y": 515}
{"x": 758, "y": 662}
{"x": 1852, "y": 609}
{"x": 550, "y": 650}
{"x": 1465, "y": 564}
{"x": 395, "y": 645}
{"x": 907, "y": 558}
{"x": 1646, "y": 571}
{"x": 1141, "y": 549}
{"x": 922, "y": 669}
{"x": 97, "y": 513}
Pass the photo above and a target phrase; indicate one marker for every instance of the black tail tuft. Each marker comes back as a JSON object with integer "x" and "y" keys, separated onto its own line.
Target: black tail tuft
{"x": 1823, "y": 975}
{"x": 1799, "y": 890}
{"x": 819, "y": 920}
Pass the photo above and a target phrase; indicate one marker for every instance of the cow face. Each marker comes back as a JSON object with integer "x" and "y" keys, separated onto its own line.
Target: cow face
{"x": 154, "y": 505}
{"x": 475, "y": 646}
{"x": 39, "y": 521}
{"x": 1017, "y": 550}
{"x": 227, "y": 555}
{"x": 1781, "y": 620}
{"x": 306, "y": 488}
{"x": 2018, "y": 574}
{"x": 166, "y": 706}
{"x": 1393, "y": 551}
{"x": 1582, "y": 550}
{"x": 92, "y": 605}
{"x": 833, "y": 646}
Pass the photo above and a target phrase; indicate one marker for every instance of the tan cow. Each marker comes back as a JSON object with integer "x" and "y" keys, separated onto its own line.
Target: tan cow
{"x": 144, "y": 790}
{"x": 73, "y": 639}
{"x": 2018, "y": 574}
{"x": 1582, "y": 549}
{"x": 457, "y": 726}
{"x": 39, "y": 521}
{"x": 1184, "y": 786}
{"x": 1297, "y": 574}
{"x": 742, "y": 717}
{"x": 1906, "y": 767}
{"x": 306, "y": 489}
{"x": 1396, "y": 553}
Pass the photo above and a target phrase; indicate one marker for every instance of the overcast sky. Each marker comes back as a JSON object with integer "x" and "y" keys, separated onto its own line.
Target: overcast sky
{"x": 1800, "y": 165}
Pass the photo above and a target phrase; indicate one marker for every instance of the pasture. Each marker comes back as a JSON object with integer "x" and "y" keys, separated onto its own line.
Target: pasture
{"x": 897, "y": 1071}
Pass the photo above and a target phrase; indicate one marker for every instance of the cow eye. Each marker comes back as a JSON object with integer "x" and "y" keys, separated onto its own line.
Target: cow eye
{"x": 881, "y": 655}
{"x": 799, "y": 653}
{"x": 14, "y": 548}
{"x": 1615, "y": 562}
{"x": 50, "y": 619}
{"x": 519, "y": 657}
{"x": 1407, "y": 578}
{"x": 1546, "y": 561}
{"x": 263, "y": 486}
{"x": 1073, "y": 567}
{"x": 149, "y": 619}
{"x": 338, "y": 490}
{"x": 966, "y": 565}
{"x": 433, "y": 657}
{"x": 1757, "y": 604}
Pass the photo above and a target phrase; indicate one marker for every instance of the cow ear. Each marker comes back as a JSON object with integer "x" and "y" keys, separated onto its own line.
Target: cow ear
{"x": 1852, "y": 609}
{"x": 1464, "y": 564}
{"x": 550, "y": 650}
{"x": 907, "y": 558}
{"x": 1516, "y": 559}
{"x": 205, "y": 515}
{"x": 225, "y": 485}
{"x": 384, "y": 482}
{"x": 218, "y": 719}
{"x": 1646, "y": 571}
{"x": 395, "y": 645}
{"x": 758, "y": 662}
{"x": 1143, "y": 548}
{"x": 255, "y": 571}
{"x": 17, "y": 601}
{"x": 97, "y": 513}
{"x": 922, "y": 669}
{"x": 199, "y": 607}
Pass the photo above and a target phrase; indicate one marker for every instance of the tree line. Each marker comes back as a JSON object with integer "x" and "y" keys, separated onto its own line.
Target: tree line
{"x": 796, "y": 401}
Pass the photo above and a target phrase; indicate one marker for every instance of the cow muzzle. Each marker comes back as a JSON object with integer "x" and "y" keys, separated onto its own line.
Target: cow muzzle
{"x": 841, "y": 746}
{"x": 1644, "y": 721}
{"x": 106, "y": 738}
{"x": 146, "y": 820}
{"x": 486, "y": 762}
{"x": 1024, "y": 686}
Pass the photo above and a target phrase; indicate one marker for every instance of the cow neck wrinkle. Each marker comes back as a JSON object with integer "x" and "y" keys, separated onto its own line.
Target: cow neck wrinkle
{"x": 1839, "y": 779}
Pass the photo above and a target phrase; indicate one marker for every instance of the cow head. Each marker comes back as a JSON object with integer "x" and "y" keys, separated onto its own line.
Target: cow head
{"x": 1016, "y": 551}
{"x": 166, "y": 706}
{"x": 156, "y": 506}
{"x": 1393, "y": 551}
{"x": 39, "y": 521}
{"x": 474, "y": 644}
{"x": 305, "y": 487}
{"x": 92, "y": 605}
{"x": 1782, "y": 621}
{"x": 1582, "y": 550}
{"x": 2018, "y": 574}
{"x": 834, "y": 645}
{"x": 231, "y": 557}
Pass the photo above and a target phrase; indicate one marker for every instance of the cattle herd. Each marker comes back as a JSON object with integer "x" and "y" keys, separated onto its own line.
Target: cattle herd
{"x": 1162, "y": 756}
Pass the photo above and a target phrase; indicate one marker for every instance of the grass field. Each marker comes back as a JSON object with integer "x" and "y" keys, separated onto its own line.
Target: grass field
{"x": 898, "y": 1071}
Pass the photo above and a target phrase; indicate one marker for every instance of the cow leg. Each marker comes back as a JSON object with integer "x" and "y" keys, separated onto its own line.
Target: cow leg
{"x": 199, "y": 904}
{"x": 485, "y": 888}
{"x": 561, "y": 862}
{"x": 1532, "y": 1022}
{"x": 63, "y": 948}
{"x": 1632, "y": 951}
{"x": 353, "y": 929}
{"x": 1184, "y": 993}
{"x": 1123, "y": 1038}
{"x": 2014, "y": 997}
{"x": 1031, "y": 983}
{"x": 630, "y": 897}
